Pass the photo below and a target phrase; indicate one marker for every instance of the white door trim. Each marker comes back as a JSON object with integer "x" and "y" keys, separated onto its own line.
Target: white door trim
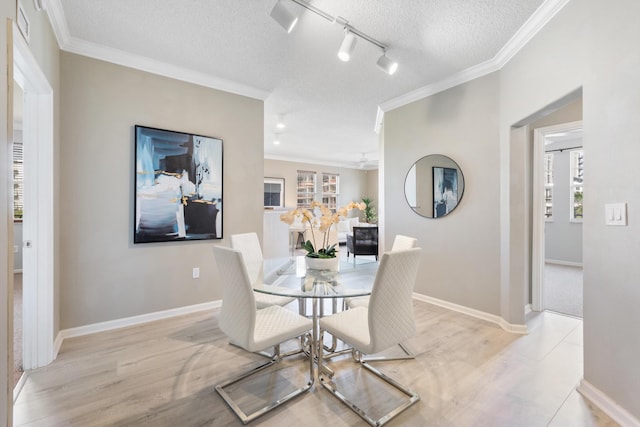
{"x": 537, "y": 251}
{"x": 38, "y": 314}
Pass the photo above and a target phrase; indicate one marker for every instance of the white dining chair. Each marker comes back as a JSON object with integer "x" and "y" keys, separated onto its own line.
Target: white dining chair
{"x": 385, "y": 323}
{"x": 249, "y": 245}
{"x": 253, "y": 329}
{"x": 400, "y": 242}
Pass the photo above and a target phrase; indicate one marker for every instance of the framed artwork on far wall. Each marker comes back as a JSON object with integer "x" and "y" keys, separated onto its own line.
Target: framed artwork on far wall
{"x": 273, "y": 192}
{"x": 445, "y": 190}
{"x": 178, "y": 186}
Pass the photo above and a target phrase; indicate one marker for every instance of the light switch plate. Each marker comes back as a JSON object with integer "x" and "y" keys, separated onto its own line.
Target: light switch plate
{"x": 615, "y": 213}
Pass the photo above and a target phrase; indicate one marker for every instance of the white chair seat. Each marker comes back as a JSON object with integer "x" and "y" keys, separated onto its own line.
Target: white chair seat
{"x": 274, "y": 325}
{"x": 352, "y": 325}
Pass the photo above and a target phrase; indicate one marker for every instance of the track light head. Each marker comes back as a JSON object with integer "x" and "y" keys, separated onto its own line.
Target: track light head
{"x": 283, "y": 16}
{"x": 387, "y": 65}
{"x": 347, "y": 46}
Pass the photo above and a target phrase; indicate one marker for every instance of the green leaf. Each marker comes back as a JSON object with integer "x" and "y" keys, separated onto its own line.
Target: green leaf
{"x": 308, "y": 246}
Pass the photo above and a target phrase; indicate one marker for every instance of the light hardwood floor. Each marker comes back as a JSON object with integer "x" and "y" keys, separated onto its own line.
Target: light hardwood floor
{"x": 468, "y": 372}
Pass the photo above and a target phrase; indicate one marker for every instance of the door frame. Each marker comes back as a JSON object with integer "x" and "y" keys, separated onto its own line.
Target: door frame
{"x": 537, "y": 252}
{"x": 38, "y": 266}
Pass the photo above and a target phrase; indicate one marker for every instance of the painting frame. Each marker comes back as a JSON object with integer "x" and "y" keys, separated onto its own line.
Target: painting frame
{"x": 274, "y": 199}
{"x": 178, "y": 186}
{"x": 445, "y": 190}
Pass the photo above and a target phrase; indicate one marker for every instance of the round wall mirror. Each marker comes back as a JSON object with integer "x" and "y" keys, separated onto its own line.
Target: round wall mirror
{"x": 434, "y": 186}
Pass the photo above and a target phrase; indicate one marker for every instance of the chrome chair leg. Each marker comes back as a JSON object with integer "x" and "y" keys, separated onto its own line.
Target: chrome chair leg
{"x": 247, "y": 418}
{"x": 329, "y": 385}
{"x": 407, "y": 355}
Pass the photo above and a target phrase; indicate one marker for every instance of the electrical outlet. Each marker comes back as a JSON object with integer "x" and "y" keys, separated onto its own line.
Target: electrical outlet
{"x": 196, "y": 273}
{"x": 15, "y": 249}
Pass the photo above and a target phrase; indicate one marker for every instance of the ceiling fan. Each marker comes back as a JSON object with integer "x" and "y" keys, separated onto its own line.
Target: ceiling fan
{"x": 365, "y": 163}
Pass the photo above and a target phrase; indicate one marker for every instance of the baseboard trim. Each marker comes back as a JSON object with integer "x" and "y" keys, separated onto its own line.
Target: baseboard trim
{"x": 527, "y": 310}
{"x": 18, "y": 388}
{"x": 509, "y": 327}
{"x": 608, "y": 406}
{"x": 132, "y": 321}
{"x": 560, "y": 262}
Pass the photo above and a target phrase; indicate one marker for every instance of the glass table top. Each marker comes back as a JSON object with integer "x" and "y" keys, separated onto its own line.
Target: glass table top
{"x": 350, "y": 281}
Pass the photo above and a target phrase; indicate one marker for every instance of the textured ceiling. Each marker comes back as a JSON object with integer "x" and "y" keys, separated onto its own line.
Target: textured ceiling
{"x": 329, "y": 106}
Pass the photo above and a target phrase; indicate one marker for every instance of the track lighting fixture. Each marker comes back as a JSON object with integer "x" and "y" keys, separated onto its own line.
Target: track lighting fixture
{"x": 387, "y": 65}
{"x": 347, "y": 46}
{"x": 283, "y": 16}
{"x": 288, "y": 19}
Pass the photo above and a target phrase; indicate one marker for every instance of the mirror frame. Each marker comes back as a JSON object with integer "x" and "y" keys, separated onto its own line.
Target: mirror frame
{"x": 431, "y": 162}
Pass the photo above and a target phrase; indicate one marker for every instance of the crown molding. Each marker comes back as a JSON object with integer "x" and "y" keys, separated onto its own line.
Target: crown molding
{"x": 345, "y": 165}
{"x": 531, "y": 27}
{"x": 463, "y": 76}
{"x": 536, "y": 22}
{"x": 116, "y": 56}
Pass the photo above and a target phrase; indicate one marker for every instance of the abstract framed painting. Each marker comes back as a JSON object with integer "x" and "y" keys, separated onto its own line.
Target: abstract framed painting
{"x": 445, "y": 190}
{"x": 178, "y": 186}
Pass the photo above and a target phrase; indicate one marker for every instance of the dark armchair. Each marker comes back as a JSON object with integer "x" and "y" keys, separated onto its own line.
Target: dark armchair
{"x": 363, "y": 241}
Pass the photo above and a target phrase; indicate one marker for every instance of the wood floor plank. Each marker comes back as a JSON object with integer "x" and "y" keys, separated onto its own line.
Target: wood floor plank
{"x": 467, "y": 371}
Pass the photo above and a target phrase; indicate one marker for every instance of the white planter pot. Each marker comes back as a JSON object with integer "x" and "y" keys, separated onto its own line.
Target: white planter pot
{"x": 332, "y": 264}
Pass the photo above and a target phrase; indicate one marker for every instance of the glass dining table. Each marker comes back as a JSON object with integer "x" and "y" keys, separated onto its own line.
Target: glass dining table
{"x": 315, "y": 287}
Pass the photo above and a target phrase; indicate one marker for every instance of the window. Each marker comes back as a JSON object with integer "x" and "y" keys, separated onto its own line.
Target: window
{"x": 18, "y": 181}
{"x": 330, "y": 190}
{"x": 577, "y": 180}
{"x": 306, "y": 188}
{"x": 548, "y": 186}
{"x": 274, "y": 192}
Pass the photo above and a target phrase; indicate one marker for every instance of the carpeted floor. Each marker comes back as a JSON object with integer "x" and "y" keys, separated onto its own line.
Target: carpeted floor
{"x": 563, "y": 289}
{"x": 17, "y": 327}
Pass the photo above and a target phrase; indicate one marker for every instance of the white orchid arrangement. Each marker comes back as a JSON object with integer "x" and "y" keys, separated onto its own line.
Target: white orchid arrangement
{"x": 322, "y": 223}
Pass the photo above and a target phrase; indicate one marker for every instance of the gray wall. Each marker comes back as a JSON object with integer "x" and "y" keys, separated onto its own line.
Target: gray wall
{"x": 587, "y": 45}
{"x": 461, "y": 256}
{"x": 354, "y": 183}
{"x": 105, "y": 276}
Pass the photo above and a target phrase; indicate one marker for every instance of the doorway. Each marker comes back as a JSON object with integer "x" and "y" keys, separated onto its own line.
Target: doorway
{"x": 557, "y": 220}
{"x": 37, "y": 239}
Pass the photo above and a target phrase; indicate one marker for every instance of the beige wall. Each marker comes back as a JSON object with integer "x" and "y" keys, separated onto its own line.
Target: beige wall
{"x": 354, "y": 183}
{"x": 105, "y": 276}
{"x": 588, "y": 44}
{"x": 460, "y": 263}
